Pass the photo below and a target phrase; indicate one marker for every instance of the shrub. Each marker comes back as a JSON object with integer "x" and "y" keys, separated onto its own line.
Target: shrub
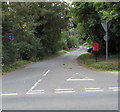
{"x": 9, "y": 53}
{"x": 25, "y": 50}
{"x": 72, "y": 42}
{"x": 38, "y": 49}
{"x": 62, "y": 44}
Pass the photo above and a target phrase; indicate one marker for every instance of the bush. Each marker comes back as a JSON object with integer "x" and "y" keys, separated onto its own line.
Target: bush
{"x": 62, "y": 44}
{"x": 25, "y": 50}
{"x": 38, "y": 50}
{"x": 9, "y": 53}
{"x": 72, "y": 42}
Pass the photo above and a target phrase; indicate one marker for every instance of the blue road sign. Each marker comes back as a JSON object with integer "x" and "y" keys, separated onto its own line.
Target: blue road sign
{"x": 11, "y": 36}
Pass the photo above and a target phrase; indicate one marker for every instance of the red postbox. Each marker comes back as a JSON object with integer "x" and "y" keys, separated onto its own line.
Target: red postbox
{"x": 95, "y": 47}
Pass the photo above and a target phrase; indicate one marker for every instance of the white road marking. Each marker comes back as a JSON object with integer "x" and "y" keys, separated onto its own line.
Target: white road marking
{"x": 93, "y": 89}
{"x": 78, "y": 79}
{"x": 31, "y": 89}
{"x": 114, "y": 88}
{"x": 64, "y": 90}
{"x": 33, "y": 86}
{"x": 76, "y": 73}
{"x": 46, "y": 73}
{"x": 9, "y": 94}
{"x": 36, "y": 92}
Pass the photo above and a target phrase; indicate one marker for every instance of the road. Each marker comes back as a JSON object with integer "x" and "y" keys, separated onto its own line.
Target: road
{"x": 60, "y": 83}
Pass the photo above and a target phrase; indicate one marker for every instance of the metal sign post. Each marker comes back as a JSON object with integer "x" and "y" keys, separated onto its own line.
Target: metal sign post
{"x": 105, "y": 26}
{"x": 107, "y": 44}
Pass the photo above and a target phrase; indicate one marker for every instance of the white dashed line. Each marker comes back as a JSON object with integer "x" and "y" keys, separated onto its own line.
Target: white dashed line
{"x": 35, "y": 92}
{"x": 93, "y": 89}
{"x": 64, "y": 90}
{"x": 78, "y": 79}
{"x": 9, "y": 94}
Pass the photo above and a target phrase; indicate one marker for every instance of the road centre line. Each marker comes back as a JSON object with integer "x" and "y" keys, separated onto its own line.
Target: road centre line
{"x": 31, "y": 89}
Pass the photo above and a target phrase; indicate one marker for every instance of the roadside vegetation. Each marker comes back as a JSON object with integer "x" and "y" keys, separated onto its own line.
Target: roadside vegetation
{"x": 36, "y": 35}
{"x": 42, "y": 29}
{"x": 88, "y": 60}
{"x": 21, "y": 63}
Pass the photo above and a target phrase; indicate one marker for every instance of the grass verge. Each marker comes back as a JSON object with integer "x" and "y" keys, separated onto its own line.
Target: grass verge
{"x": 88, "y": 60}
{"x": 15, "y": 65}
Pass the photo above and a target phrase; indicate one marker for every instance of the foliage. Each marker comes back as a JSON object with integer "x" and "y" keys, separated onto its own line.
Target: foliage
{"x": 37, "y": 29}
{"x": 71, "y": 39}
{"x": 38, "y": 50}
{"x": 72, "y": 42}
{"x": 25, "y": 50}
{"x": 8, "y": 53}
{"x": 88, "y": 17}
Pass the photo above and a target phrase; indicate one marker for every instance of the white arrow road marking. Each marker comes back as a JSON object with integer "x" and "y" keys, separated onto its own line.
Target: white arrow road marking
{"x": 93, "y": 89}
{"x": 64, "y": 90}
{"x": 114, "y": 88}
{"x": 31, "y": 91}
{"x": 9, "y": 94}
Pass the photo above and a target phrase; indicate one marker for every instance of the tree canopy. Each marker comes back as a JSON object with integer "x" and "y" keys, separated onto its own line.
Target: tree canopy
{"x": 43, "y": 28}
{"x": 87, "y": 17}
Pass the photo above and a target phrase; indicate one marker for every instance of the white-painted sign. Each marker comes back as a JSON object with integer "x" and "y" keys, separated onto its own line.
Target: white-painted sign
{"x": 104, "y": 24}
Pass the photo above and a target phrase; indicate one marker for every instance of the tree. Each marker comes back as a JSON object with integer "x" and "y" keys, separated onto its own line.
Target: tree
{"x": 88, "y": 17}
{"x": 37, "y": 28}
